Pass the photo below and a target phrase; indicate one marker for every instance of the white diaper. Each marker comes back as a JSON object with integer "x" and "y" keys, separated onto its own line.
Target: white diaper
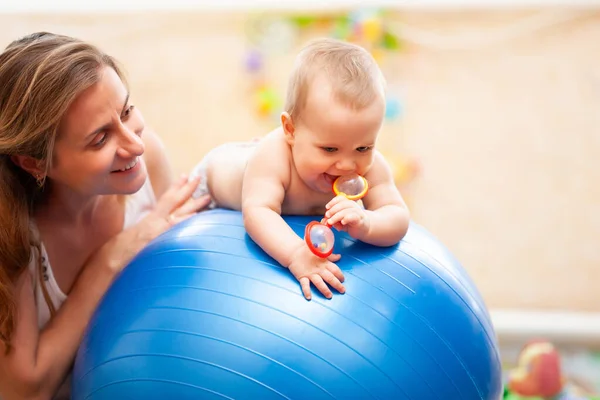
{"x": 201, "y": 170}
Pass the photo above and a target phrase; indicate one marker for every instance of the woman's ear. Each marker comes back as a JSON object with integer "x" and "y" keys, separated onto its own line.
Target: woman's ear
{"x": 288, "y": 127}
{"x": 29, "y": 164}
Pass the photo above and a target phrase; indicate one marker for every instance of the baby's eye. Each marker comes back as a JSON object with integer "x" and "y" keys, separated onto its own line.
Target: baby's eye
{"x": 329, "y": 149}
{"x": 363, "y": 149}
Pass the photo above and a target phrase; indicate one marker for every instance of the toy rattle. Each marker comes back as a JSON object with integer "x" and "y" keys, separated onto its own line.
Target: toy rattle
{"x": 318, "y": 236}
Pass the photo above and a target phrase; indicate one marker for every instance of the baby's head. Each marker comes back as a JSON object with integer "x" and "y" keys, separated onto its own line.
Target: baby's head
{"x": 333, "y": 112}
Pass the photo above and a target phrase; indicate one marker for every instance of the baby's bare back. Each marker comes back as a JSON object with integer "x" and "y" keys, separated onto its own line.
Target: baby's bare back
{"x": 225, "y": 173}
{"x": 227, "y": 165}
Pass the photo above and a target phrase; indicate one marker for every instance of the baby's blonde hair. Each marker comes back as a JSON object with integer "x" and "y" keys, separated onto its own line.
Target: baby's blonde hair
{"x": 353, "y": 73}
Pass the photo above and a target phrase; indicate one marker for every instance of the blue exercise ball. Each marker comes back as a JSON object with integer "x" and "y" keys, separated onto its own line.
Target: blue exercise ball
{"x": 203, "y": 313}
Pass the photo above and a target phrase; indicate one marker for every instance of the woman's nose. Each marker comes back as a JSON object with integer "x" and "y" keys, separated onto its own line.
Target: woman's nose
{"x": 131, "y": 144}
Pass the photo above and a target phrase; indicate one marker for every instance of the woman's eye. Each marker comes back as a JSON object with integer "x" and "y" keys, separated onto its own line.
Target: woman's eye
{"x": 329, "y": 149}
{"x": 101, "y": 139}
{"x": 363, "y": 149}
{"x": 128, "y": 111}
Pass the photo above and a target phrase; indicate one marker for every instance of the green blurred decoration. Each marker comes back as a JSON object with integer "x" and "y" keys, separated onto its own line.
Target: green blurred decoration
{"x": 271, "y": 35}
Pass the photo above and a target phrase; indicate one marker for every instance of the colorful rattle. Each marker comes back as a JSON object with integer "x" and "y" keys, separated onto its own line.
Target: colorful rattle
{"x": 318, "y": 236}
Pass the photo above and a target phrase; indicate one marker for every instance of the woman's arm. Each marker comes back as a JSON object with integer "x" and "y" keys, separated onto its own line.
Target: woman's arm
{"x": 39, "y": 361}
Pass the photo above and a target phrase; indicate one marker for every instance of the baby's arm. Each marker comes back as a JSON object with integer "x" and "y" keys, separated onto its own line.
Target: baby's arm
{"x": 263, "y": 193}
{"x": 384, "y": 221}
{"x": 266, "y": 177}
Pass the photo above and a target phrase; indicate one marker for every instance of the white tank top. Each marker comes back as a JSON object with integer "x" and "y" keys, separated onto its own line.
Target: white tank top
{"x": 136, "y": 207}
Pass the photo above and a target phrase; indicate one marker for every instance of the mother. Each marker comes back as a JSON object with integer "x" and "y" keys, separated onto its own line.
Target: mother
{"x": 79, "y": 179}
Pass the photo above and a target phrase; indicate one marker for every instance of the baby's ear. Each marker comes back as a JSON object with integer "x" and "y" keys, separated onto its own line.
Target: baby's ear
{"x": 288, "y": 127}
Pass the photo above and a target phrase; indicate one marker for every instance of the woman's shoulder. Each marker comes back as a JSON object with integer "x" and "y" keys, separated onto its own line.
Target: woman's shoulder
{"x": 159, "y": 169}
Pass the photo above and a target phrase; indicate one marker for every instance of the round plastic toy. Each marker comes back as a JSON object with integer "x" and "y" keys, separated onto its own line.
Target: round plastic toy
{"x": 204, "y": 313}
{"x": 354, "y": 186}
{"x": 318, "y": 236}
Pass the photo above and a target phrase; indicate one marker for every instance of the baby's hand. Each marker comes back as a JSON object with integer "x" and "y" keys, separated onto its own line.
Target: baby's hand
{"x": 307, "y": 268}
{"x": 347, "y": 215}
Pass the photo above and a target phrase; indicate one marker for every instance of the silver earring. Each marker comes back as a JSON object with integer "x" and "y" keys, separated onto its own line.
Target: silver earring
{"x": 39, "y": 178}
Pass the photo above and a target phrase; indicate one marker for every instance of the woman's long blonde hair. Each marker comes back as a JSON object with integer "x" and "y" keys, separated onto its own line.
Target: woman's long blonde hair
{"x": 40, "y": 76}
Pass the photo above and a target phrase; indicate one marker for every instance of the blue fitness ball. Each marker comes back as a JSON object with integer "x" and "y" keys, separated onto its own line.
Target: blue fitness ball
{"x": 203, "y": 313}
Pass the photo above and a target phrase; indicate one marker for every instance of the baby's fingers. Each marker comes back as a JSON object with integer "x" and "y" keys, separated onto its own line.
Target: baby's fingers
{"x": 351, "y": 219}
{"x": 334, "y": 257}
{"x": 336, "y": 271}
{"x": 305, "y": 285}
{"x": 336, "y": 218}
{"x": 341, "y": 216}
{"x": 321, "y": 286}
{"x": 337, "y": 199}
{"x": 341, "y": 207}
{"x": 333, "y": 281}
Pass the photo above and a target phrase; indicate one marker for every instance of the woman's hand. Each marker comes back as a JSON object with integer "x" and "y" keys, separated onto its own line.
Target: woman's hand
{"x": 174, "y": 206}
{"x": 177, "y": 203}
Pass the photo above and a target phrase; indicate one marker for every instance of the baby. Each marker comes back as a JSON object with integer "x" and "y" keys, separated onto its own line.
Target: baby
{"x": 333, "y": 114}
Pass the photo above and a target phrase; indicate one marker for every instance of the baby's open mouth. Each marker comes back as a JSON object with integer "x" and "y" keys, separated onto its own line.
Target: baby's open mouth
{"x": 330, "y": 178}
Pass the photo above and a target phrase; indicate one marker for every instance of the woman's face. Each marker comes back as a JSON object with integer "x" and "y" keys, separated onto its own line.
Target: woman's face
{"x": 98, "y": 149}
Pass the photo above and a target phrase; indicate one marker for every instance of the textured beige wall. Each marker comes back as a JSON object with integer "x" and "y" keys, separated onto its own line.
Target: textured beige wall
{"x": 508, "y": 132}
